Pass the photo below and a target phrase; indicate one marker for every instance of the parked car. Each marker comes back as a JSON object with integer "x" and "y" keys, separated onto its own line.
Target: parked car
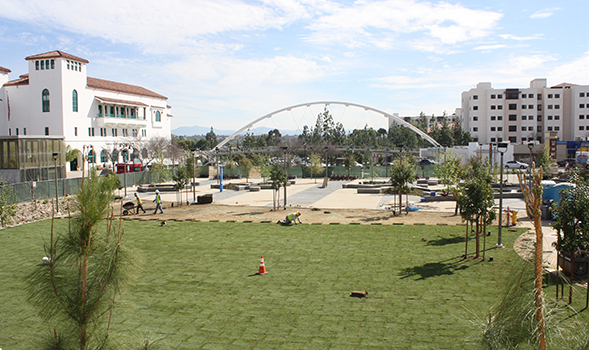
{"x": 563, "y": 163}
{"x": 513, "y": 164}
{"x": 425, "y": 162}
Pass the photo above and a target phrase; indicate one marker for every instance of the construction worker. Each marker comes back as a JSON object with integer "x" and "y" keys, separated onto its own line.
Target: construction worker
{"x": 290, "y": 218}
{"x": 139, "y": 204}
{"x": 158, "y": 202}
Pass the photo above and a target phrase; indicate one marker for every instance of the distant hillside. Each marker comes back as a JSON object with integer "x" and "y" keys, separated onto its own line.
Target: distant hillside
{"x": 202, "y": 130}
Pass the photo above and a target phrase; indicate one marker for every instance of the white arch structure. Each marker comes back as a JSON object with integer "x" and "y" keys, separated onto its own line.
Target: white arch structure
{"x": 327, "y": 103}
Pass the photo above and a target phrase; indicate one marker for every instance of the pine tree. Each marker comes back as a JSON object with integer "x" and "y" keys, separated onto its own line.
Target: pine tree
{"x": 75, "y": 287}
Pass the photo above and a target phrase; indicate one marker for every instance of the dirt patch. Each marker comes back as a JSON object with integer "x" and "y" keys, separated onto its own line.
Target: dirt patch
{"x": 237, "y": 213}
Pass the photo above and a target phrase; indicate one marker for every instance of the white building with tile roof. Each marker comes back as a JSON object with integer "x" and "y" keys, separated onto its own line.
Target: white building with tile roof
{"x": 57, "y": 98}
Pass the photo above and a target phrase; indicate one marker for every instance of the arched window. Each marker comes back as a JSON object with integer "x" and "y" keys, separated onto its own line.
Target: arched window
{"x": 74, "y": 101}
{"x": 158, "y": 116}
{"x": 103, "y": 155}
{"x": 45, "y": 99}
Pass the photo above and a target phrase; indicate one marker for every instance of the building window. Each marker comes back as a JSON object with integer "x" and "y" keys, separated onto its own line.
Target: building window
{"x": 539, "y": 97}
{"x": 100, "y": 110}
{"x": 16, "y": 131}
{"x": 499, "y": 117}
{"x": 493, "y": 96}
{"x": 493, "y": 107}
{"x": 24, "y": 131}
{"x": 42, "y": 65}
{"x": 524, "y": 96}
{"x": 500, "y": 107}
{"x": 524, "y": 117}
{"x": 499, "y": 96}
{"x": 524, "y": 128}
{"x": 475, "y": 108}
{"x": 539, "y": 128}
{"x": 158, "y": 116}
{"x": 531, "y": 95}
{"x": 581, "y": 116}
{"x": 581, "y": 128}
{"x": 37, "y": 67}
{"x": 45, "y": 99}
{"x": 582, "y": 105}
{"x": 512, "y": 128}
{"x": 549, "y": 95}
{"x": 143, "y": 132}
{"x": 493, "y": 117}
{"x": 46, "y": 130}
{"x": 475, "y": 97}
{"x": 499, "y": 128}
{"x": 475, "y": 129}
{"x": 549, "y": 106}
{"x": 556, "y": 106}
{"x": 581, "y": 94}
{"x": 513, "y": 139}
{"x": 75, "y": 131}
{"x": 549, "y": 117}
{"x": 475, "y": 118}
{"x": 513, "y": 117}
{"x": 493, "y": 128}
{"x": 52, "y": 64}
{"x": 74, "y": 101}
{"x": 512, "y": 106}
{"x": 523, "y": 106}
{"x": 539, "y": 107}
{"x": 539, "y": 118}
{"x": 549, "y": 128}
{"x": 556, "y": 128}
{"x": 556, "y": 117}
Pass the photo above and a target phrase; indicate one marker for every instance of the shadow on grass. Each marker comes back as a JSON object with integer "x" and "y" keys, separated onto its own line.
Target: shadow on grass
{"x": 250, "y": 213}
{"x": 445, "y": 267}
{"x": 446, "y": 241}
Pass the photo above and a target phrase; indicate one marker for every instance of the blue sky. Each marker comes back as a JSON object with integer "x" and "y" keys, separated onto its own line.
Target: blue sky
{"x": 224, "y": 63}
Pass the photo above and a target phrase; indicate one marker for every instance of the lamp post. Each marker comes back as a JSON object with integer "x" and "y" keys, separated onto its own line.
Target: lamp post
{"x": 284, "y": 149}
{"x": 501, "y": 148}
{"x": 125, "y": 149}
{"x": 326, "y": 164}
{"x": 531, "y": 147}
{"x": 217, "y": 152}
{"x": 193, "y": 181}
{"x": 55, "y": 156}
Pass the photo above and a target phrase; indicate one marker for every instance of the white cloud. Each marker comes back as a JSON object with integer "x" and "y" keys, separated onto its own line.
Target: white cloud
{"x": 571, "y": 72}
{"x": 518, "y": 66}
{"x": 520, "y": 38}
{"x": 545, "y": 13}
{"x": 157, "y": 27}
{"x": 388, "y": 23}
{"x": 490, "y": 47}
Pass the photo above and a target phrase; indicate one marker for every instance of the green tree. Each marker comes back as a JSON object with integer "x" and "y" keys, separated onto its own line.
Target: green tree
{"x": 475, "y": 198}
{"x": 449, "y": 170}
{"x": 211, "y": 139}
{"x": 278, "y": 178}
{"x": 402, "y": 172}
{"x": 7, "y": 200}
{"x": 86, "y": 267}
{"x": 181, "y": 179}
{"x": 315, "y": 167}
{"x": 246, "y": 168}
{"x": 159, "y": 171}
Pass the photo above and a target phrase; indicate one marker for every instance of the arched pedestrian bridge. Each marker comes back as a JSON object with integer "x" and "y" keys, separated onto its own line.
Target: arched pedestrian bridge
{"x": 392, "y": 119}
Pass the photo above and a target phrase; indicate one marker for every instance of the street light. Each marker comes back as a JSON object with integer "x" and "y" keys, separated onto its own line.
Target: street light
{"x": 501, "y": 148}
{"x": 125, "y": 148}
{"x": 55, "y": 156}
{"x": 193, "y": 180}
{"x": 531, "y": 147}
{"x": 284, "y": 149}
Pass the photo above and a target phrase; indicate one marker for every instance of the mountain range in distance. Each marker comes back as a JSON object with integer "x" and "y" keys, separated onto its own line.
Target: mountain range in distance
{"x": 203, "y": 130}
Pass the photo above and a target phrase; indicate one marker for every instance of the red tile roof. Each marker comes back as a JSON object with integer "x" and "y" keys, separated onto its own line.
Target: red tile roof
{"x": 5, "y": 70}
{"x": 101, "y": 84}
{"x": 125, "y": 102}
{"x": 56, "y": 54}
{"x": 564, "y": 85}
{"x": 22, "y": 80}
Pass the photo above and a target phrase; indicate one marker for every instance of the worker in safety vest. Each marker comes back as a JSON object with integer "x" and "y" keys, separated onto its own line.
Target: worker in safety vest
{"x": 139, "y": 204}
{"x": 158, "y": 202}
{"x": 290, "y": 218}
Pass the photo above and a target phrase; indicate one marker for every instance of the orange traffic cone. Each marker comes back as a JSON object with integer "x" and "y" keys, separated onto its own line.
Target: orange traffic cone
{"x": 262, "y": 270}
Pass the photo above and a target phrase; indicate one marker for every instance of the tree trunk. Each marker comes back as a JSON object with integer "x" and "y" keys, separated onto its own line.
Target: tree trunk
{"x": 538, "y": 280}
{"x": 477, "y": 244}
{"x": 572, "y": 277}
{"x": 484, "y": 239}
{"x": 466, "y": 242}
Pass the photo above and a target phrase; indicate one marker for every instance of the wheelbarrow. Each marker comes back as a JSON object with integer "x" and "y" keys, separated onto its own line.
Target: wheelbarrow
{"x": 129, "y": 208}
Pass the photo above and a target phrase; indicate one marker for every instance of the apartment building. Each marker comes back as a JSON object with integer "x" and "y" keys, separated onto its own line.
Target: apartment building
{"x": 521, "y": 115}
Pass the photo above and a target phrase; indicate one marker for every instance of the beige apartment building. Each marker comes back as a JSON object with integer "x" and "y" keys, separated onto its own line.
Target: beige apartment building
{"x": 522, "y": 115}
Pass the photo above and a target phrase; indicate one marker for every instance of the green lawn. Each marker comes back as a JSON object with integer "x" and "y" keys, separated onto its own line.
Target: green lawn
{"x": 198, "y": 288}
